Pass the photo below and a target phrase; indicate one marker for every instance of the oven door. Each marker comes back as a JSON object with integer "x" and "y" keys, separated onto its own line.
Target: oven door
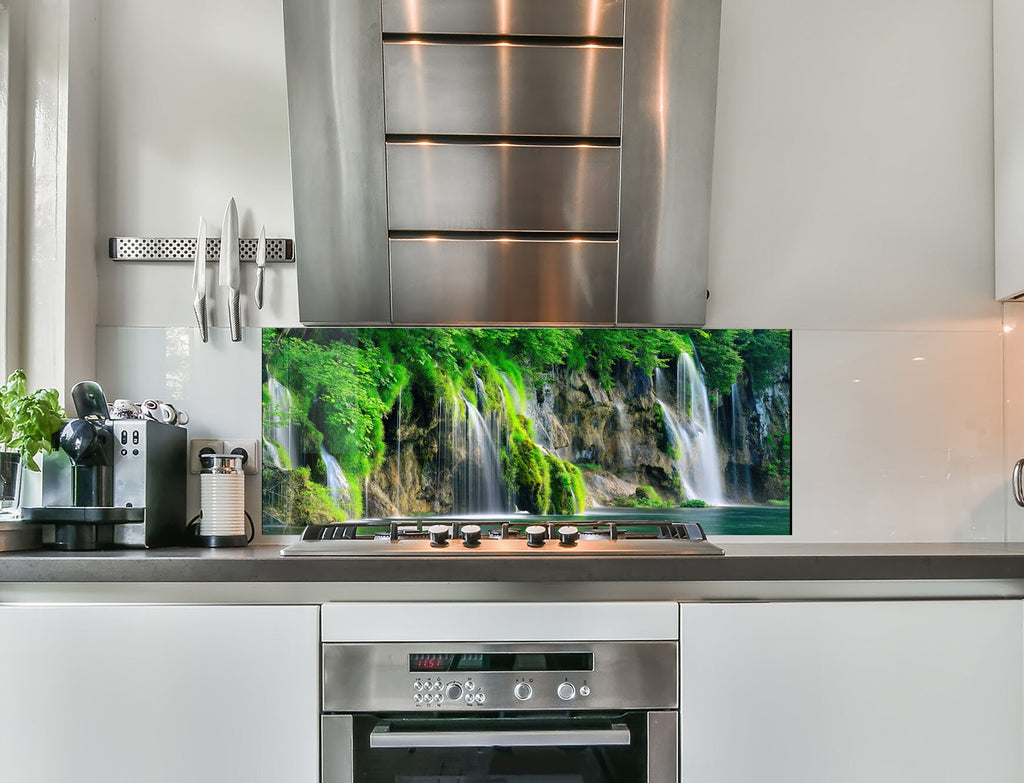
{"x": 630, "y": 747}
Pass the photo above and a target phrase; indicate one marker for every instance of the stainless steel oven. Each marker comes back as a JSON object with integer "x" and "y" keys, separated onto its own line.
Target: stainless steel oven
{"x": 436, "y": 712}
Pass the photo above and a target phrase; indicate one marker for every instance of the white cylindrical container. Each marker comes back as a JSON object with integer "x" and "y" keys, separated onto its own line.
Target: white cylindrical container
{"x": 222, "y": 499}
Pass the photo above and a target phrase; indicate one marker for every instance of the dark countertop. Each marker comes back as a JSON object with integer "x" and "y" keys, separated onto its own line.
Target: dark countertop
{"x": 741, "y": 563}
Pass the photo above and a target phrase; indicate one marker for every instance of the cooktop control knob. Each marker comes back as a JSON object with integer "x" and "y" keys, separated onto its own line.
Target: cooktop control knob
{"x": 535, "y": 535}
{"x": 566, "y": 691}
{"x": 568, "y": 535}
{"x": 523, "y": 691}
{"x": 438, "y": 535}
{"x": 453, "y": 692}
{"x": 471, "y": 535}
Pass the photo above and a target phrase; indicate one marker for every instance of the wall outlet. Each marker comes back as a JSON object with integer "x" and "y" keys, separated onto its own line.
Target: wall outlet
{"x": 250, "y": 451}
{"x": 198, "y": 446}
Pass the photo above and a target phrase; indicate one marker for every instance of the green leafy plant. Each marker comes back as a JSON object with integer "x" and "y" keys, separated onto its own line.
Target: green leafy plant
{"x": 28, "y": 420}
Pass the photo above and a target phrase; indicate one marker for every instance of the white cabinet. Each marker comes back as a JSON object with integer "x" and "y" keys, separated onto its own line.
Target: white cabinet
{"x": 1008, "y": 131}
{"x": 884, "y": 692}
{"x": 203, "y": 694}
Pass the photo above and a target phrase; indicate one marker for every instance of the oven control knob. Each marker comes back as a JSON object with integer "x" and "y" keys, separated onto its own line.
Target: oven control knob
{"x": 453, "y": 692}
{"x": 566, "y": 691}
{"x": 535, "y": 535}
{"x": 438, "y": 535}
{"x": 522, "y": 691}
{"x": 584, "y": 690}
{"x": 568, "y": 535}
{"x": 471, "y": 535}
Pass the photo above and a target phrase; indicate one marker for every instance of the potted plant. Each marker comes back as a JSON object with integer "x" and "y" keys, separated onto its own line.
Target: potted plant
{"x": 28, "y": 423}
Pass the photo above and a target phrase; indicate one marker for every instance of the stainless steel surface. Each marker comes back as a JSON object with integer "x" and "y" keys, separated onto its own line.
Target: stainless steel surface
{"x": 199, "y": 282}
{"x": 383, "y": 737}
{"x": 591, "y": 18}
{"x": 1016, "y": 484}
{"x": 376, "y": 677}
{"x": 493, "y": 281}
{"x": 670, "y": 78}
{"x": 516, "y": 548}
{"x": 499, "y": 75}
{"x": 261, "y": 263}
{"x": 169, "y": 249}
{"x": 221, "y": 463}
{"x": 335, "y": 78}
{"x": 663, "y": 747}
{"x": 502, "y": 89}
{"x": 229, "y": 272}
{"x": 19, "y": 536}
{"x": 150, "y": 464}
{"x": 502, "y": 187}
{"x": 336, "y": 748}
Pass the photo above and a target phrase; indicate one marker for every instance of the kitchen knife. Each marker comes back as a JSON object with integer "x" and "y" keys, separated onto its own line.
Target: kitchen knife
{"x": 261, "y": 262}
{"x": 229, "y": 276}
{"x": 199, "y": 282}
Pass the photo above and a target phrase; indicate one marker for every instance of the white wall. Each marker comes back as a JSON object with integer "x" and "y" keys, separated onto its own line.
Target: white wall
{"x": 852, "y": 202}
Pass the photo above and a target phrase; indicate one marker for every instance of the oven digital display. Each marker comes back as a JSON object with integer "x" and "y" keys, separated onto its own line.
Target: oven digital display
{"x": 502, "y": 662}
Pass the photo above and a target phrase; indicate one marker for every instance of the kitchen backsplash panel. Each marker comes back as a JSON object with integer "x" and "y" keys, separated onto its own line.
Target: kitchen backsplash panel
{"x": 691, "y": 424}
{"x": 911, "y": 452}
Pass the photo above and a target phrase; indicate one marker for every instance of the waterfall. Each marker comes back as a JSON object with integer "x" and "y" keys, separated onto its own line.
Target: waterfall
{"x": 691, "y": 430}
{"x": 683, "y": 380}
{"x": 398, "y": 458}
{"x": 660, "y": 384}
{"x": 483, "y": 486}
{"x": 337, "y": 484}
{"x": 741, "y": 479}
{"x": 282, "y": 432}
{"x": 625, "y": 444}
{"x": 518, "y": 404}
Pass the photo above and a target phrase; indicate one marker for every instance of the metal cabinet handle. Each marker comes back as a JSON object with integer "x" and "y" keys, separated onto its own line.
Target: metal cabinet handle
{"x": 1018, "y": 487}
{"x": 383, "y": 737}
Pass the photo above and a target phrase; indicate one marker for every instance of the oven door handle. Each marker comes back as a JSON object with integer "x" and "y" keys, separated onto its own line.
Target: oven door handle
{"x": 383, "y": 737}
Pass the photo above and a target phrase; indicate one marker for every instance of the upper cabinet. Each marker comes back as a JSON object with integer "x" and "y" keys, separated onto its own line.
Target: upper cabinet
{"x": 502, "y": 161}
{"x": 1008, "y": 128}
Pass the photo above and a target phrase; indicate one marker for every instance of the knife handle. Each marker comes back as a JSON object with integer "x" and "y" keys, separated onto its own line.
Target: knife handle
{"x": 199, "y": 305}
{"x": 258, "y": 294}
{"x": 235, "y": 316}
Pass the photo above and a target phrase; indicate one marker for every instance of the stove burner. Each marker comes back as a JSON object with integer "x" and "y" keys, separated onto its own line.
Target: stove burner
{"x": 451, "y": 537}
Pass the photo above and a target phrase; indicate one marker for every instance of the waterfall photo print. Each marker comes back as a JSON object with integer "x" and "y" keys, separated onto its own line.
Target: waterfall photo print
{"x": 682, "y": 424}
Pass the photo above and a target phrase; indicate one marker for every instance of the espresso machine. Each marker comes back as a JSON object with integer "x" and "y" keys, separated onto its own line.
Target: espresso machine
{"x": 114, "y": 482}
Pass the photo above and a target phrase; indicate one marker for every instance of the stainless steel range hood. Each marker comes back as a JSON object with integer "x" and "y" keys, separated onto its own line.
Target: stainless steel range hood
{"x": 502, "y": 161}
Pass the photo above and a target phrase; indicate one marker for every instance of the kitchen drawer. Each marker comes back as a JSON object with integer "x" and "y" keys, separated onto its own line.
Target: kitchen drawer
{"x": 502, "y": 187}
{"x": 593, "y": 18}
{"x": 502, "y": 89}
{"x": 503, "y": 281}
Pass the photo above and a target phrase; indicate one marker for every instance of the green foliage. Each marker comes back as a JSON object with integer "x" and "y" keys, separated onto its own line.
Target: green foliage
{"x": 568, "y": 494}
{"x": 297, "y": 500}
{"x": 777, "y": 463}
{"x": 28, "y": 421}
{"x": 718, "y": 356}
{"x": 765, "y": 354}
{"x": 693, "y": 503}
{"x": 644, "y": 497}
{"x": 527, "y": 472}
{"x": 347, "y": 383}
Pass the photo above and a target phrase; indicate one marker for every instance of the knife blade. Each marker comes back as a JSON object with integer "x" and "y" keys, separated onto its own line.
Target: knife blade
{"x": 229, "y": 275}
{"x": 261, "y": 262}
{"x": 199, "y": 282}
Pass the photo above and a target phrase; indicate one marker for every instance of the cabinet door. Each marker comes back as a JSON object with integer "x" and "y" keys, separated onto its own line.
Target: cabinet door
{"x": 852, "y": 692}
{"x": 204, "y": 694}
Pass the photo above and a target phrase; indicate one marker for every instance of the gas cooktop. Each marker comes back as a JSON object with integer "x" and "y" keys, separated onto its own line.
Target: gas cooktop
{"x": 468, "y": 538}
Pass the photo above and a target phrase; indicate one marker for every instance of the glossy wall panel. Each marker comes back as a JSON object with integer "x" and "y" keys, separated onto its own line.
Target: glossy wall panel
{"x": 897, "y": 436}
